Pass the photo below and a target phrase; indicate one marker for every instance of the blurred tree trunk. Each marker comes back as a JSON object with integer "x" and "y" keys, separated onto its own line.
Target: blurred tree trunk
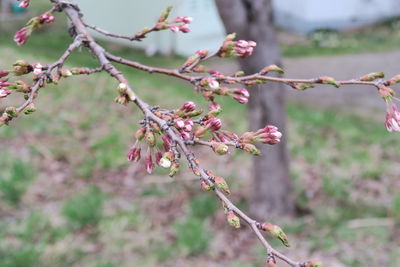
{"x": 272, "y": 186}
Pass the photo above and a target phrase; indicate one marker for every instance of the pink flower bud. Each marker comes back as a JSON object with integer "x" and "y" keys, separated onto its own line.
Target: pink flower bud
{"x": 188, "y": 126}
{"x": 185, "y": 135}
{"x": 214, "y": 106}
{"x": 214, "y": 124}
{"x": 4, "y": 93}
{"x": 24, "y": 4}
{"x": 241, "y": 99}
{"x": 179, "y": 124}
{"x": 21, "y": 36}
{"x": 167, "y": 142}
{"x": 214, "y": 72}
{"x": 47, "y": 18}
{"x": 37, "y": 69}
{"x": 242, "y": 91}
{"x": 4, "y": 73}
{"x": 202, "y": 53}
{"x": 149, "y": 163}
{"x": 134, "y": 154}
{"x": 188, "y": 106}
{"x": 174, "y": 28}
{"x": 184, "y": 28}
{"x": 213, "y": 84}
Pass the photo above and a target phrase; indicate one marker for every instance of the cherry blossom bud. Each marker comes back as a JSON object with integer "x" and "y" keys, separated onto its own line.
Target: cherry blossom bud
{"x": 167, "y": 142}
{"x": 215, "y": 107}
{"x": 140, "y": 133}
{"x": 213, "y": 84}
{"x": 221, "y": 184}
{"x": 22, "y": 87}
{"x": 21, "y": 67}
{"x": 200, "y": 131}
{"x": 385, "y": 92}
{"x": 11, "y": 111}
{"x": 163, "y": 17}
{"x": 276, "y": 232}
{"x": 65, "y": 73}
{"x": 4, "y": 93}
{"x": 47, "y": 18}
{"x": 202, "y": 53}
{"x": 179, "y": 124}
{"x": 122, "y": 88}
{"x": 174, "y": 169}
{"x": 31, "y": 108}
{"x": 157, "y": 156}
{"x": 394, "y": 80}
{"x": 150, "y": 138}
{"x": 174, "y": 28}
{"x": 271, "y": 262}
{"x": 232, "y": 219}
{"x": 273, "y": 68}
{"x": 242, "y": 92}
{"x": 328, "y": 80}
{"x": 241, "y": 99}
{"x": 165, "y": 163}
{"x": 220, "y": 148}
{"x": 252, "y": 149}
{"x": 183, "y": 19}
{"x": 37, "y": 69}
{"x": 4, "y": 73}
{"x": 213, "y": 124}
{"x": 372, "y": 76}
{"x": 205, "y": 186}
{"x": 122, "y": 100}
{"x": 149, "y": 163}
{"x": 184, "y": 28}
{"x": 24, "y": 4}
{"x": 134, "y": 154}
{"x": 230, "y": 135}
{"x": 22, "y": 35}
{"x": 188, "y": 106}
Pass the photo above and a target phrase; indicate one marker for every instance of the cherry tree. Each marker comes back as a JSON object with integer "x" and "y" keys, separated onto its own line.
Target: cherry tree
{"x": 165, "y": 137}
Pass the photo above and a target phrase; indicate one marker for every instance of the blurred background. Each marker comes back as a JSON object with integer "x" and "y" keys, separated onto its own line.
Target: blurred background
{"x": 68, "y": 196}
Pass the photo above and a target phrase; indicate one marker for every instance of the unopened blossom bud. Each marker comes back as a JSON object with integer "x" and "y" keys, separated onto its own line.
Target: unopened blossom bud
{"x": 184, "y": 28}
{"x": 24, "y": 4}
{"x": 202, "y": 53}
{"x": 174, "y": 169}
{"x": 4, "y": 73}
{"x": 22, "y": 35}
{"x": 4, "y": 93}
{"x": 167, "y": 142}
{"x": 122, "y": 87}
{"x": 4, "y": 119}
{"x": 47, "y": 18}
{"x": 163, "y": 17}
{"x": 301, "y": 86}
{"x": 200, "y": 131}
{"x": 215, "y": 108}
{"x": 241, "y": 99}
{"x": 21, "y": 67}
{"x": 394, "y": 80}
{"x": 213, "y": 124}
{"x": 372, "y": 76}
{"x": 232, "y": 219}
{"x": 183, "y": 19}
{"x": 185, "y": 135}
{"x": 157, "y": 156}
{"x": 221, "y": 184}
{"x": 242, "y": 91}
{"x": 328, "y": 80}
{"x": 188, "y": 106}
{"x": 205, "y": 186}
{"x": 121, "y": 100}
{"x": 31, "y": 108}
{"x": 213, "y": 84}
{"x": 165, "y": 163}
{"x": 220, "y": 148}
{"x": 22, "y": 87}
{"x": 149, "y": 163}
{"x": 179, "y": 124}
{"x": 276, "y": 232}
{"x": 134, "y": 154}
{"x": 271, "y": 262}
{"x": 150, "y": 138}
{"x": 252, "y": 149}
{"x": 11, "y": 111}
{"x": 273, "y": 68}
{"x": 140, "y": 133}
{"x": 247, "y": 137}
{"x": 37, "y": 69}
{"x": 385, "y": 92}
{"x": 195, "y": 113}
{"x": 230, "y": 135}
{"x": 65, "y": 73}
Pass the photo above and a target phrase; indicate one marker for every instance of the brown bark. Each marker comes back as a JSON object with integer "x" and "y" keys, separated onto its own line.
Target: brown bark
{"x": 272, "y": 186}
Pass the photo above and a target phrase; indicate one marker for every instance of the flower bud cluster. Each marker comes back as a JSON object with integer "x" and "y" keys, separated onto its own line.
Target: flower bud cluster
{"x": 22, "y": 35}
{"x": 240, "y": 48}
{"x": 392, "y": 122}
{"x": 179, "y": 24}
